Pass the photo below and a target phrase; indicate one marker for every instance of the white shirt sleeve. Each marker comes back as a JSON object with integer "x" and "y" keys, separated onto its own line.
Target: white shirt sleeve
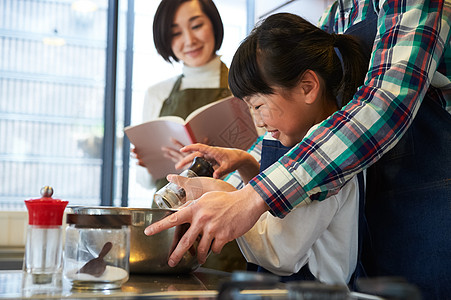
{"x": 323, "y": 234}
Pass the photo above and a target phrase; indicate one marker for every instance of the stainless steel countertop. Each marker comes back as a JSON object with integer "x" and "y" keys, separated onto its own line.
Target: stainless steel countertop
{"x": 202, "y": 280}
{"x": 201, "y": 284}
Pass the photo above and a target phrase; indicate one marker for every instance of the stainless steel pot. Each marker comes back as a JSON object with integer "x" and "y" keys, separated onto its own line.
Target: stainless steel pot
{"x": 149, "y": 254}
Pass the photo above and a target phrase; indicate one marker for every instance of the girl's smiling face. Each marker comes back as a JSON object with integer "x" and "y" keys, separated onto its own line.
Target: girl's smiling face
{"x": 193, "y": 40}
{"x": 287, "y": 120}
{"x": 289, "y": 115}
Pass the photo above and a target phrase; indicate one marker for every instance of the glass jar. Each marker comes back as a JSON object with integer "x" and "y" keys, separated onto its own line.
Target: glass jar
{"x": 44, "y": 246}
{"x": 97, "y": 251}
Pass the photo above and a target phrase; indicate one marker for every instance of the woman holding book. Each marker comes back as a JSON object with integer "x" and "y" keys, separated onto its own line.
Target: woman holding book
{"x": 188, "y": 31}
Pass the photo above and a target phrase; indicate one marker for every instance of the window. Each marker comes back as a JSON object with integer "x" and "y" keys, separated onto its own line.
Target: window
{"x": 54, "y": 82}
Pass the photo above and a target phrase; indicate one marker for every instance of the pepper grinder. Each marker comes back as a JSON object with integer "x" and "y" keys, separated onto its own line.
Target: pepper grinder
{"x": 173, "y": 196}
{"x": 42, "y": 268}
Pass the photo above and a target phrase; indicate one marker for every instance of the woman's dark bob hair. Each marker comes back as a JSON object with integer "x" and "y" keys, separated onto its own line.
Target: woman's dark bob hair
{"x": 164, "y": 18}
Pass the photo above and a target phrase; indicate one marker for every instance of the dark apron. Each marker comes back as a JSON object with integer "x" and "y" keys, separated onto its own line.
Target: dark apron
{"x": 365, "y": 32}
{"x": 408, "y": 205}
{"x": 183, "y": 102}
{"x": 273, "y": 150}
{"x": 408, "y": 200}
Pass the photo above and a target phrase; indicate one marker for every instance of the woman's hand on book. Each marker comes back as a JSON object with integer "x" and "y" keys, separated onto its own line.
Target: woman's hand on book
{"x": 173, "y": 153}
{"x": 136, "y": 156}
{"x": 139, "y": 160}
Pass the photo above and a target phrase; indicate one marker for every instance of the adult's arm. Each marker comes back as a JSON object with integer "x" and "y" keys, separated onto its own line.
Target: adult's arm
{"x": 411, "y": 40}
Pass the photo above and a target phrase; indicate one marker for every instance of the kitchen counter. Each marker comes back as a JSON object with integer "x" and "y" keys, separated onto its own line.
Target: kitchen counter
{"x": 201, "y": 284}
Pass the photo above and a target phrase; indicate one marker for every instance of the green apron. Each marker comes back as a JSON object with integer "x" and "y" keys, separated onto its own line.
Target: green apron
{"x": 183, "y": 102}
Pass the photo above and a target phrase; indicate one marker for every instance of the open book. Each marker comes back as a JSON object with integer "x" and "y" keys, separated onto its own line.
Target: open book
{"x": 224, "y": 123}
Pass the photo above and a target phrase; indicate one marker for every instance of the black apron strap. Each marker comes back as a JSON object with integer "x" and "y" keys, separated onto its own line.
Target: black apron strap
{"x": 365, "y": 32}
{"x": 363, "y": 232}
{"x": 330, "y": 25}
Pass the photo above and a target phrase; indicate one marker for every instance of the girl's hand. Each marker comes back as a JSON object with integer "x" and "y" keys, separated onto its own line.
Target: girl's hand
{"x": 224, "y": 160}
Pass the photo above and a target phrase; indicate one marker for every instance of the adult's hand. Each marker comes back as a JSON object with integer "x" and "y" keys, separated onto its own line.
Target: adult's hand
{"x": 139, "y": 162}
{"x": 217, "y": 217}
{"x": 180, "y": 158}
{"x": 195, "y": 187}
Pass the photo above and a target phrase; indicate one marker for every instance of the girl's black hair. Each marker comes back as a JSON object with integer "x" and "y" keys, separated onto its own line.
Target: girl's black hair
{"x": 281, "y": 48}
{"x": 164, "y": 18}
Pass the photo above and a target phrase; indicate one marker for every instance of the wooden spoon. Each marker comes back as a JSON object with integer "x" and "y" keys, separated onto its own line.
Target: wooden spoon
{"x": 96, "y": 266}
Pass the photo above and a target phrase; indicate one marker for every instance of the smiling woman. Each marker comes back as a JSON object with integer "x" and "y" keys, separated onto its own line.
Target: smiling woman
{"x": 157, "y": 68}
{"x": 192, "y": 35}
{"x": 190, "y": 32}
{"x": 195, "y": 32}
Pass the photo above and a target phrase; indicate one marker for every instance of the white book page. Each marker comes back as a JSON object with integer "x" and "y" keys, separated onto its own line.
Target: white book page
{"x": 148, "y": 139}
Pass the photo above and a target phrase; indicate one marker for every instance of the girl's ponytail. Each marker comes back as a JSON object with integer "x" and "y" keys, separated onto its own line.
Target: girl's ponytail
{"x": 281, "y": 48}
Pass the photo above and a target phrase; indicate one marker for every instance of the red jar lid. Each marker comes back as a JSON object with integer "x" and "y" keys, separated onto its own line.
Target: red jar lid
{"x": 45, "y": 211}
